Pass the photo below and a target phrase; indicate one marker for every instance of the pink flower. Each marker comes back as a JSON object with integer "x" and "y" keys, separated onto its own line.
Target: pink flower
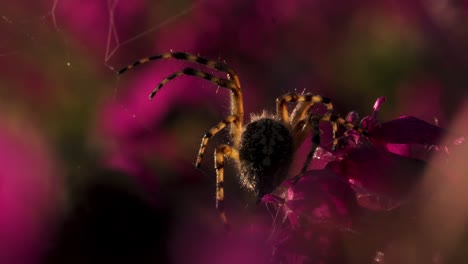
{"x": 349, "y": 211}
{"x": 29, "y": 193}
{"x": 388, "y": 164}
{"x": 319, "y": 209}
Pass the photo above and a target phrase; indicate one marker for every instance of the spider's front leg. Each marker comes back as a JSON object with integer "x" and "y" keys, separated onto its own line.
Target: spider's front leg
{"x": 301, "y": 110}
{"x": 313, "y": 125}
{"x": 337, "y": 120}
{"x": 298, "y": 122}
{"x": 221, "y": 152}
{"x": 226, "y": 83}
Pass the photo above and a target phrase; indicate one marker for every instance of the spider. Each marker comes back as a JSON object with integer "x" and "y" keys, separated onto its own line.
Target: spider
{"x": 263, "y": 148}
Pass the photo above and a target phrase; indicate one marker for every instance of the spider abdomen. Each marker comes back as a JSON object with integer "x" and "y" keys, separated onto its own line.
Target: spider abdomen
{"x": 265, "y": 154}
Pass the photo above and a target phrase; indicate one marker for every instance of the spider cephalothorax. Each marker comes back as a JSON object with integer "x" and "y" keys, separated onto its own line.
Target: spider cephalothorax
{"x": 264, "y": 148}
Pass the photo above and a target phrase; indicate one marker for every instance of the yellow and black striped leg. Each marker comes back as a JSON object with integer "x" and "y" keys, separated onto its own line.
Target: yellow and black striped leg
{"x": 334, "y": 131}
{"x": 232, "y": 82}
{"x": 334, "y": 119}
{"x": 215, "y": 65}
{"x": 213, "y": 131}
{"x": 221, "y": 152}
{"x": 315, "y": 128}
{"x": 299, "y": 114}
{"x": 281, "y": 102}
{"x": 315, "y": 120}
{"x": 196, "y": 73}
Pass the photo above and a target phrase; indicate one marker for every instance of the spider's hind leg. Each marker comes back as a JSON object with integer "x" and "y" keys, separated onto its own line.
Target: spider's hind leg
{"x": 221, "y": 152}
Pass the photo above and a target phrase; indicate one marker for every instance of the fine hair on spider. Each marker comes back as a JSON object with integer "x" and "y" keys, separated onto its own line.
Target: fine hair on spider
{"x": 263, "y": 148}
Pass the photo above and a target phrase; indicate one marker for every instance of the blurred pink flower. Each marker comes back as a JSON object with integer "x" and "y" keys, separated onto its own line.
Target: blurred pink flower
{"x": 403, "y": 134}
{"x": 30, "y": 193}
{"x": 365, "y": 190}
{"x": 203, "y": 246}
{"x": 319, "y": 209}
{"x": 389, "y": 164}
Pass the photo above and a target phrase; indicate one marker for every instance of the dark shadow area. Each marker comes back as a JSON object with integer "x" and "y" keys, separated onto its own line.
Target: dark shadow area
{"x": 113, "y": 223}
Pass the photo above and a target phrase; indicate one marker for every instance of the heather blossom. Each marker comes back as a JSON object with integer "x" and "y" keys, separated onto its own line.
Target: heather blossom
{"x": 351, "y": 210}
{"x": 30, "y": 191}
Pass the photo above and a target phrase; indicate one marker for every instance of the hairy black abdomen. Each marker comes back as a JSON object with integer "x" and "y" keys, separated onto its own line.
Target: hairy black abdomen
{"x": 265, "y": 151}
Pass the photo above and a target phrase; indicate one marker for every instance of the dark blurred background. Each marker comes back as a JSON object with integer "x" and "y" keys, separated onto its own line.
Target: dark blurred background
{"x": 91, "y": 171}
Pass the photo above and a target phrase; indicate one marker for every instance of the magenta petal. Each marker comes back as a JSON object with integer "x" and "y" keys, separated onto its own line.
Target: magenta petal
{"x": 380, "y": 172}
{"x": 320, "y": 207}
{"x": 378, "y": 103}
{"x": 371, "y": 121}
{"x": 321, "y": 197}
{"x": 408, "y": 130}
{"x": 30, "y": 192}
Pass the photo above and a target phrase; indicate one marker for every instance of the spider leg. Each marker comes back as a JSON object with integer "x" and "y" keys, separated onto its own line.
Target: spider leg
{"x": 303, "y": 127}
{"x": 334, "y": 119}
{"x": 196, "y": 73}
{"x": 300, "y": 113}
{"x": 237, "y": 107}
{"x": 232, "y": 82}
{"x": 314, "y": 122}
{"x": 300, "y": 121}
{"x": 221, "y": 152}
{"x": 215, "y": 65}
{"x": 281, "y": 101}
{"x": 213, "y": 131}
